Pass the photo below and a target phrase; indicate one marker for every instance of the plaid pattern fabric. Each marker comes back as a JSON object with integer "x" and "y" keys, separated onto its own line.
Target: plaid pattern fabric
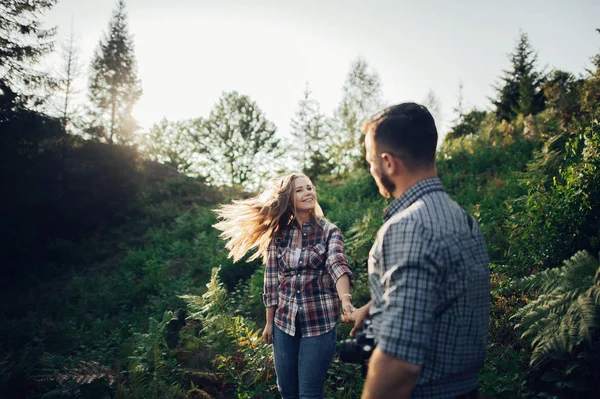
{"x": 305, "y": 291}
{"x": 429, "y": 281}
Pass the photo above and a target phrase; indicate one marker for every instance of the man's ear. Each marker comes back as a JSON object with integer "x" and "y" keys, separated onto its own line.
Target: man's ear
{"x": 391, "y": 164}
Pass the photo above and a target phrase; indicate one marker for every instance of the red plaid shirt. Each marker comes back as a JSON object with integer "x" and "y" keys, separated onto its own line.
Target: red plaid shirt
{"x": 305, "y": 291}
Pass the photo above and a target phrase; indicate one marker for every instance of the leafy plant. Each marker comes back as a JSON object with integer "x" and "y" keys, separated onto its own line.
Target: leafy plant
{"x": 567, "y": 309}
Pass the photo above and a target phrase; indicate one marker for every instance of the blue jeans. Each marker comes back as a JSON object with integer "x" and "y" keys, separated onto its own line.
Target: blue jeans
{"x": 301, "y": 363}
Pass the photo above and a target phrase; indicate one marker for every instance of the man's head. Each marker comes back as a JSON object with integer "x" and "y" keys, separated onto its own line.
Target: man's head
{"x": 400, "y": 146}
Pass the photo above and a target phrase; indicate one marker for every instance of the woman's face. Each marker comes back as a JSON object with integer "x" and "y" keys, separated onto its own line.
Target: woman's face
{"x": 304, "y": 195}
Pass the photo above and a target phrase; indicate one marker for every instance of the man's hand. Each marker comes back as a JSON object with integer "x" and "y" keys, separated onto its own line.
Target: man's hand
{"x": 267, "y": 334}
{"x": 357, "y": 316}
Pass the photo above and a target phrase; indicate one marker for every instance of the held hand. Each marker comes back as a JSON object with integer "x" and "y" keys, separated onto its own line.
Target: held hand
{"x": 347, "y": 307}
{"x": 267, "y": 334}
{"x": 357, "y": 316}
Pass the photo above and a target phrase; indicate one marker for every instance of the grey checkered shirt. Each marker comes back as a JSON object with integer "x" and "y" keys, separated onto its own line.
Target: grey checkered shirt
{"x": 429, "y": 281}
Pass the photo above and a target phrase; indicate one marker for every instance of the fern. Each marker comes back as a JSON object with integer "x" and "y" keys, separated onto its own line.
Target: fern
{"x": 567, "y": 311}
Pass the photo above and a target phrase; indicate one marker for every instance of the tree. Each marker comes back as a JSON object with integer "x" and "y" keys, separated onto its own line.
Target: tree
{"x": 562, "y": 93}
{"x": 237, "y": 143}
{"x": 309, "y": 132}
{"x": 460, "y": 105}
{"x": 170, "y": 143}
{"x": 521, "y": 92}
{"x": 590, "y": 92}
{"x": 69, "y": 71}
{"x": 361, "y": 97}
{"x": 434, "y": 105}
{"x": 22, "y": 43}
{"x": 469, "y": 124}
{"x": 114, "y": 86}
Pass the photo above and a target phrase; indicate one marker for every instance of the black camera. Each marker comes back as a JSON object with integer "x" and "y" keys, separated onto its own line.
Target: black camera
{"x": 358, "y": 349}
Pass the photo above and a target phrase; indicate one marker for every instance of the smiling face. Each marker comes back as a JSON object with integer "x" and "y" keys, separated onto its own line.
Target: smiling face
{"x": 304, "y": 195}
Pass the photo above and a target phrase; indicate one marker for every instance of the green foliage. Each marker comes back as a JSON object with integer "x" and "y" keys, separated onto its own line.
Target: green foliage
{"x": 149, "y": 367}
{"x": 563, "y": 91}
{"x": 236, "y": 143}
{"x": 244, "y": 362}
{"x": 567, "y": 309}
{"x": 562, "y": 202}
{"x": 467, "y": 124}
{"x": 504, "y": 374}
{"x": 171, "y": 144}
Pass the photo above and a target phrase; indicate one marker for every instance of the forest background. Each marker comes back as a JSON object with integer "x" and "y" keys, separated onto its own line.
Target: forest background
{"x": 115, "y": 285}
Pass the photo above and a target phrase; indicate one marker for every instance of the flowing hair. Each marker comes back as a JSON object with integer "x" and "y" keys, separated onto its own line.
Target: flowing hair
{"x": 252, "y": 223}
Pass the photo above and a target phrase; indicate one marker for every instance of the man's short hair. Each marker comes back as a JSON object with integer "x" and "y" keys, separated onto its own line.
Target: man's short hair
{"x": 406, "y": 131}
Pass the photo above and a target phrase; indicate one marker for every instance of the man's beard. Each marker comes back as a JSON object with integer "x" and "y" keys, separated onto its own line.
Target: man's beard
{"x": 388, "y": 186}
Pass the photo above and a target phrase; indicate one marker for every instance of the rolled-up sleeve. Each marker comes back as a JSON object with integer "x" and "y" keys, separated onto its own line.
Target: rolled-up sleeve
{"x": 336, "y": 263}
{"x": 410, "y": 283}
{"x": 271, "y": 280}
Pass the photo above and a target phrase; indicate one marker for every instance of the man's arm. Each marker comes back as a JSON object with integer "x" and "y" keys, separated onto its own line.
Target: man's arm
{"x": 408, "y": 275}
{"x": 389, "y": 377}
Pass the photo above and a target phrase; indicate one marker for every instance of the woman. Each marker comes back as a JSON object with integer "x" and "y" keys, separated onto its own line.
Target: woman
{"x": 306, "y": 277}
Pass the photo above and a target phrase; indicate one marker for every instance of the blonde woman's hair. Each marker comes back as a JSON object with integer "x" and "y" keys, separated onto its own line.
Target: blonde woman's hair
{"x": 252, "y": 223}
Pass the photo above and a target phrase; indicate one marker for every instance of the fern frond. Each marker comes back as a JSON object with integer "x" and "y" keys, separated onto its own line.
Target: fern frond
{"x": 567, "y": 310}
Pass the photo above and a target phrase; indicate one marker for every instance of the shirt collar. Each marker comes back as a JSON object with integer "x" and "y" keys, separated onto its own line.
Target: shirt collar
{"x": 411, "y": 195}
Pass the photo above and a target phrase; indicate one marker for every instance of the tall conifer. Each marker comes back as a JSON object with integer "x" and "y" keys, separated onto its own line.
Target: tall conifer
{"x": 114, "y": 85}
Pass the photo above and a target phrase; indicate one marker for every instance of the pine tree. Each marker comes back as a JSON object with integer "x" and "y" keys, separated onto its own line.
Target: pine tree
{"x": 521, "y": 91}
{"x": 308, "y": 127}
{"x": 361, "y": 98}
{"x": 23, "y": 42}
{"x": 114, "y": 86}
{"x": 237, "y": 142}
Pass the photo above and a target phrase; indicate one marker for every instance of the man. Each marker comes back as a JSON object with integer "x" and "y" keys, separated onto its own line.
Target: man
{"x": 428, "y": 270}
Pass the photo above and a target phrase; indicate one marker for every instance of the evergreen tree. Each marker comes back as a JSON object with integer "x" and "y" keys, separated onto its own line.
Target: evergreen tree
{"x": 309, "y": 131}
{"x": 23, "y": 42}
{"x": 360, "y": 99}
{"x": 114, "y": 86}
{"x": 237, "y": 142}
{"x": 521, "y": 91}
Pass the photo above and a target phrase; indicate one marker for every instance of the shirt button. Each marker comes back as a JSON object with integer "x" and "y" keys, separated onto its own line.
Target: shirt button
{"x": 300, "y": 308}
{"x": 300, "y": 262}
{"x": 304, "y": 234}
{"x": 298, "y": 274}
{"x": 298, "y": 292}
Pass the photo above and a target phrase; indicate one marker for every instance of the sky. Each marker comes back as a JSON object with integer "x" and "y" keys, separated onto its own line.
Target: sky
{"x": 190, "y": 51}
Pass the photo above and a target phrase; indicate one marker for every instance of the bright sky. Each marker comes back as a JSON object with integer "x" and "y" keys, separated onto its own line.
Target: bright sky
{"x": 190, "y": 51}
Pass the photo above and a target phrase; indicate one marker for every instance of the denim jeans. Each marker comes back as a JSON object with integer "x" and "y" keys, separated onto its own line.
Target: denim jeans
{"x": 301, "y": 363}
